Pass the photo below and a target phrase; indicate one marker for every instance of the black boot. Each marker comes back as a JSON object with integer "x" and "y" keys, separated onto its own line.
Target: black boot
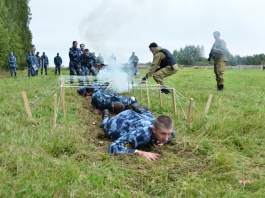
{"x": 164, "y": 90}
{"x": 138, "y": 108}
{"x": 105, "y": 113}
{"x": 220, "y": 87}
{"x": 105, "y": 117}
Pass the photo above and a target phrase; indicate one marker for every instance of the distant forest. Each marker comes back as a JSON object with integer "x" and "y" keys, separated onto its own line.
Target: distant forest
{"x": 15, "y": 34}
{"x": 195, "y": 55}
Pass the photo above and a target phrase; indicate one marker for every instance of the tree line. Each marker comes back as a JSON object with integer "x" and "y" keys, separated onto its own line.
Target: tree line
{"x": 15, "y": 34}
{"x": 195, "y": 55}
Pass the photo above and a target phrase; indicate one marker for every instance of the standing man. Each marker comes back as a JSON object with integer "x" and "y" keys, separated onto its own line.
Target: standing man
{"x": 38, "y": 62}
{"x": 12, "y": 64}
{"x": 218, "y": 55}
{"x": 44, "y": 63}
{"x": 57, "y": 61}
{"x": 133, "y": 60}
{"x": 75, "y": 67}
{"x": 164, "y": 64}
{"x": 29, "y": 62}
{"x": 112, "y": 59}
{"x": 35, "y": 63}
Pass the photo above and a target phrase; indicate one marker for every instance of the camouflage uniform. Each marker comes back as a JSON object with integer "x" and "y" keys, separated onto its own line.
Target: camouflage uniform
{"x": 218, "y": 54}
{"x": 12, "y": 64}
{"x": 57, "y": 61}
{"x": 82, "y": 90}
{"x": 103, "y": 100}
{"x": 74, "y": 55}
{"x": 44, "y": 61}
{"x": 129, "y": 130}
{"x": 158, "y": 71}
{"x": 86, "y": 64}
{"x": 29, "y": 59}
{"x": 133, "y": 60}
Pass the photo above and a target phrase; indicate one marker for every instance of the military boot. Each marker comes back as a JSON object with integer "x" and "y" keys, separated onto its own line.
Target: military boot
{"x": 220, "y": 87}
{"x": 105, "y": 117}
{"x": 138, "y": 108}
{"x": 164, "y": 90}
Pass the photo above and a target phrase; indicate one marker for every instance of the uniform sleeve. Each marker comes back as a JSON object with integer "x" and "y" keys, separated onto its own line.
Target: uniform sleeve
{"x": 129, "y": 142}
{"x": 156, "y": 62}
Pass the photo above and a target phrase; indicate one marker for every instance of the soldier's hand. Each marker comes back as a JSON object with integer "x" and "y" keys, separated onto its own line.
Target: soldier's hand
{"x": 80, "y": 70}
{"x": 97, "y": 111}
{"x": 92, "y": 68}
{"x": 148, "y": 155}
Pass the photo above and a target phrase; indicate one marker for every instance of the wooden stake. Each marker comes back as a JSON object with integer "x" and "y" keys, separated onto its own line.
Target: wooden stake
{"x": 62, "y": 98}
{"x": 147, "y": 94}
{"x": 208, "y": 104}
{"x": 141, "y": 91}
{"x": 133, "y": 88}
{"x": 174, "y": 101}
{"x": 128, "y": 87}
{"x": 26, "y": 102}
{"x": 160, "y": 95}
{"x": 55, "y": 108}
{"x": 190, "y": 111}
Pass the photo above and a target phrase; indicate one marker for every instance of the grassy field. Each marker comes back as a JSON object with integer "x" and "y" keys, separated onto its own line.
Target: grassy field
{"x": 219, "y": 155}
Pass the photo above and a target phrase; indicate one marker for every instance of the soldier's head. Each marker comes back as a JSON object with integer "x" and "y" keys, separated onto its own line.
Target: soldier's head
{"x": 162, "y": 129}
{"x": 37, "y": 53}
{"x": 216, "y": 35}
{"x": 29, "y": 52}
{"x": 82, "y": 46}
{"x": 89, "y": 90}
{"x": 118, "y": 107}
{"x": 11, "y": 53}
{"x": 75, "y": 44}
{"x": 57, "y": 54}
{"x": 152, "y": 47}
{"x": 43, "y": 53}
{"x": 133, "y": 53}
{"x": 86, "y": 52}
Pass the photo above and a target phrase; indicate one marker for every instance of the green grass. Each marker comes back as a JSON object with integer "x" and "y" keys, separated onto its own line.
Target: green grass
{"x": 207, "y": 159}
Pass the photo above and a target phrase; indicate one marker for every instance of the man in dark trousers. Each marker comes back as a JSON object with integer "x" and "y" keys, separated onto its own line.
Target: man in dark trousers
{"x": 44, "y": 63}
{"x": 58, "y": 62}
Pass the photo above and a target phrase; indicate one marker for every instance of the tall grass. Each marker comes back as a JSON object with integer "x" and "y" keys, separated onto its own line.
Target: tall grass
{"x": 208, "y": 157}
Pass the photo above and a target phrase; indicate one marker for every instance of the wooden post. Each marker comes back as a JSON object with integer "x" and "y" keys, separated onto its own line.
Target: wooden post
{"x": 190, "y": 111}
{"x": 174, "y": 101}
{"x": 26, "y": 102}
{"x": 208, "y": 104}
{"x": 147, "y": 94}
{"x": 128, "y": 86}
{"x": 62, "y": 98}
{"x": 55, "y": 108}
{"x": 141, "y": 91}
{"x": 160, "y": 95}
{"x": 133, "y": 88}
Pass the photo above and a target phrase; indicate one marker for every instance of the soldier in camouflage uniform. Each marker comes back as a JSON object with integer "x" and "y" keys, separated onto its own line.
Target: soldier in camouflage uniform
{"x": 30, "y": 62}
{"x": 87, "y": 64}
{"x": 164, "y": 64}
{"x": 57, "y": 61}
{"x": 12, "y": 64}
{"x": 133, "y": 60}
{"x": 218, "y": 55}
{"x": 133, "y": 129}
{"x": 44, "y": 63}
{"x": 74, "y": 55}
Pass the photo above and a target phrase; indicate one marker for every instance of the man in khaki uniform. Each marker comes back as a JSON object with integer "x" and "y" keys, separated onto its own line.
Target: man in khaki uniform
{"x": 164, "y": 64}
{"x": 218, "y": 55}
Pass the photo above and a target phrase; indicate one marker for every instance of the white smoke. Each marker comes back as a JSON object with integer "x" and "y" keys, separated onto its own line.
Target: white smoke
{"x": 118, "y": 78}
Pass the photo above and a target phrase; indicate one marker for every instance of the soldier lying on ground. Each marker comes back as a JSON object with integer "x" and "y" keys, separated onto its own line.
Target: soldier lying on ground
{"x": 133, "y": 129}
{"x": 101, "y": 99}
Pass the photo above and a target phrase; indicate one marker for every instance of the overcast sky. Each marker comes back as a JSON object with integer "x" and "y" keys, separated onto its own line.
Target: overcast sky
{"x": 124, "y": 26}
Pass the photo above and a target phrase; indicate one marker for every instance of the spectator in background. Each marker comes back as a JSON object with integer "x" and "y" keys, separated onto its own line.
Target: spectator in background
{"x": 133, "y": 60}
{"x": 29, "y": 59}
{"x": 12, "y": 64}
{"x": 44, "y": 63}
{"x": 58, "y": 62}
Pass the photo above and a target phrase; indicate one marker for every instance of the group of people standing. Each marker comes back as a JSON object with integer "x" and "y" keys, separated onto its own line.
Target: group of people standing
{"x": 83, "y": 62}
